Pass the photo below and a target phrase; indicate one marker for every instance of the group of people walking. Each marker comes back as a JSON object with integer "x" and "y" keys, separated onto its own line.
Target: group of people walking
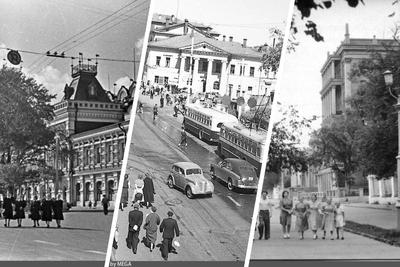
{"x": 315, "y": 215}
{"x": 142, "y": 190}
{"x": 45, "y": 210}
{"x": 152, "y": 223}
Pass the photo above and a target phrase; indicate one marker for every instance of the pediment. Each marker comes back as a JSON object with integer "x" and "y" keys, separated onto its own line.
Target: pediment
{"x": 204, "y": 47}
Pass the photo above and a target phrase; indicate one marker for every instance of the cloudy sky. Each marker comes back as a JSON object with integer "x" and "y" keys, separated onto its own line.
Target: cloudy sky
{"x": 41, "y": 25}
{"x": 237, "y": 18}
{"x": 301, "y": 78}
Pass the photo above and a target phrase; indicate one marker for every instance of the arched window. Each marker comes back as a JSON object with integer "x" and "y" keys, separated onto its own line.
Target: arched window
{"x": 110, "y": 190}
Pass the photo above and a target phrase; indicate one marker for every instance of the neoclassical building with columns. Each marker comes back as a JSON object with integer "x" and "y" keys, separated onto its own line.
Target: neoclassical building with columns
{"x": 90, "y": 126}
{"x": 204, "y": 64}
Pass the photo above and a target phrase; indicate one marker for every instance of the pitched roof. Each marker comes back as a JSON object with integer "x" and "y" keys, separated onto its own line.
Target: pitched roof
{"x": 184, "y": 41}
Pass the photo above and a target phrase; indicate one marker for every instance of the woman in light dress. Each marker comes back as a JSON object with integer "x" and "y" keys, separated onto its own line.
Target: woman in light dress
{"x": 329, "y": 215}
{"x": 321, "y": 219}
{"x": 138, "y": 191}
{"x": 339, "y": 220}
{"x": 286, "y": 206}
{"x": 301, "y": 210}
{"x": 151, "y": 225}
{"x": 314, "y": 215}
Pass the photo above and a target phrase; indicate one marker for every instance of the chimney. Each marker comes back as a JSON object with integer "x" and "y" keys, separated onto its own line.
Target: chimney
{"x": 185, "y": 27}
{"x": 347, "y": 35}
{"x": 230, "y": 38}
{"x": 167, "y": 22}
{"x": 223, "y": 38}
{"x": 244, "y": 42}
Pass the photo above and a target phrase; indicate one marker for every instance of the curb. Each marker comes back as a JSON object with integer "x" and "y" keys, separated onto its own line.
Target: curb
{"x": 377, "y": 238}
{"x": 88, "y": 210}
{"x": 370, "y": 207}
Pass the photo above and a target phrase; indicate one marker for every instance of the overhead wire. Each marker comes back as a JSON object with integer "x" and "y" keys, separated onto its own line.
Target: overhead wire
{"x": 84, "y": 30}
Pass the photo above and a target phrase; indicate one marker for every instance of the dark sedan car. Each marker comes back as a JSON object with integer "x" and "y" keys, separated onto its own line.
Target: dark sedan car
{"x": 237, "y": 173}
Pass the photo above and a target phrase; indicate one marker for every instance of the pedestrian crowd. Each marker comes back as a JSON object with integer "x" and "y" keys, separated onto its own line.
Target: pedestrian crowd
{"x": 143, "y": 196}
{"x": 46, "y": 210}
{"x": 324, "y": 216}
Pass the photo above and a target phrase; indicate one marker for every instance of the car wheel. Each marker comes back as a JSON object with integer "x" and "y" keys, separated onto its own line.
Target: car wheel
{"x": 230, "y": 185}
{"x": 189, "y": 192}
{"x": 209, "y": 195}
{"x": 170, "y": 182}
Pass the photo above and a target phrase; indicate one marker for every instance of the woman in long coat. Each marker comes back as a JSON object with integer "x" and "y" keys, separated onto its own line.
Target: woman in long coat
{"x": 125, "y": 194}
{"x": 8, "y": 209}
{"x": 47, "y": 208}
{"x": 58, "y": 211}
{"x": 20, "y": 205}
{"x": 35, "y": 212}
{"x": 148, "y": 190}
{"x": 151, "y": 225}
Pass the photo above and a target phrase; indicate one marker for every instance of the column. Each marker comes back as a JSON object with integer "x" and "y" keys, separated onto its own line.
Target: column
{"x": 209, "y": 84}
{"x": 333, "y": 95}
{"x": 380, "y": 184}
{"x": 392, "y": 187}
{"x": 103, "y": 152}
{"x": 81, "y": 190}
{"x": 370, "y": 188}
{"x": 181, "y": 81}
{"x": 91, "y": 189}
{"x": 104, "y": 184}
{"x": 223, "y": 80}
{"x": 195, "y": 70}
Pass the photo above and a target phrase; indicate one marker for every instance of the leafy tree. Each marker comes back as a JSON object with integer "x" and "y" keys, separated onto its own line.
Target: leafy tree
{"x": 24, "y": 136}
{"x": 374, "y": 104}
{"x": 305, "y": 7}
{"x": 25, "y": 110}
{"x": 285, "y": 151}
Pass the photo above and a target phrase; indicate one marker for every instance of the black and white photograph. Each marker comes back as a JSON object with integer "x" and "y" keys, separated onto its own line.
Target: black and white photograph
{"x": 67, "y": 79}
{"x": 200, "y": 130}
{"x": 331, "y": 191}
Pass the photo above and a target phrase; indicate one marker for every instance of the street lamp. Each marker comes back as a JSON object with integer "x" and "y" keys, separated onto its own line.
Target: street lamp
{"x": 388, "y": 77}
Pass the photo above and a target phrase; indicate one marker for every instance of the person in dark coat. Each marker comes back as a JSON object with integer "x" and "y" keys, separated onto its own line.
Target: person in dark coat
{"x": 183, "y": 137}
{"x": 35, "y": 211}
{"x": 58, "y": 210}
{"x": 135, "y": 218}
{"x": 125, "y": 193}
{"x": 106, "y": 203}
{"x": 148, "y": 190}
{"x": 47, "y": 208}
{"x": 20, "y": 205}
{"x": 169, "y": 227}
{"x": 8, "y": 203}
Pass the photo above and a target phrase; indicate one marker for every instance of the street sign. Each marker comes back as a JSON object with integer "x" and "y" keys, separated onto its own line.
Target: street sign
{"x": 252, "y": 102}
{"x": 226, "y": 100}
{"x": 240, "y": 101}
{"x": 14, "y": 57}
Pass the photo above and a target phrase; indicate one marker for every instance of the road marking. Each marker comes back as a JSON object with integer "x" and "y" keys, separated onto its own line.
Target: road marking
{"x": 45, "y": 242}
{"x": 96, "y": 252}
{"x": 234, "y": 201}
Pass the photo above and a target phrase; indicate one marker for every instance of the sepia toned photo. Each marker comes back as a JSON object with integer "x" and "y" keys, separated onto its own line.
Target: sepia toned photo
{"x": 67, "y": 80}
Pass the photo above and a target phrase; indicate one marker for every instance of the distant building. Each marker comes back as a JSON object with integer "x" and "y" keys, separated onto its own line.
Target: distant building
{"x": 91, "y": 124}
{"x": 337, "y": 86}
{"x": 223, "y": 67}
{"x": 167, "y": 26}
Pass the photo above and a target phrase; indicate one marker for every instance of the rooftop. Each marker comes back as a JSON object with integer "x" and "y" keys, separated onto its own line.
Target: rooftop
{"x": 230, "y": 47}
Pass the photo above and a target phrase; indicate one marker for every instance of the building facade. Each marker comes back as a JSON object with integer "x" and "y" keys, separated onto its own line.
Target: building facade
{"x": 207, "y": 65}
{"x": 338, "y": 86}
{"x": 90, "y": 125}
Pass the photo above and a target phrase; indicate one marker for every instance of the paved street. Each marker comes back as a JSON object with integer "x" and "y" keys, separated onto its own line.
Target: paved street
{"x": 83, "y": 236}
{"x": 214, "y": 228}
{"x": 352, "y": 247}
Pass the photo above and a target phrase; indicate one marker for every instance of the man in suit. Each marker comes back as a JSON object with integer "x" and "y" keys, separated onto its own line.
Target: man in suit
{"x": 105, "y": 202}
{"x": 169, "y": 227}
{"x": 135, "y": 222}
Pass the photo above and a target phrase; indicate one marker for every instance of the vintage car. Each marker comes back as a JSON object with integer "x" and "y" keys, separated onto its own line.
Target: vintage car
{"x": 189, "y": 177}
{"x": 237, "y": 173}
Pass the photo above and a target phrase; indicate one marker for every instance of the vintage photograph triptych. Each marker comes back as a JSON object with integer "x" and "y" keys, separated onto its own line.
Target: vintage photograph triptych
{"x": 205, "y": 133}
